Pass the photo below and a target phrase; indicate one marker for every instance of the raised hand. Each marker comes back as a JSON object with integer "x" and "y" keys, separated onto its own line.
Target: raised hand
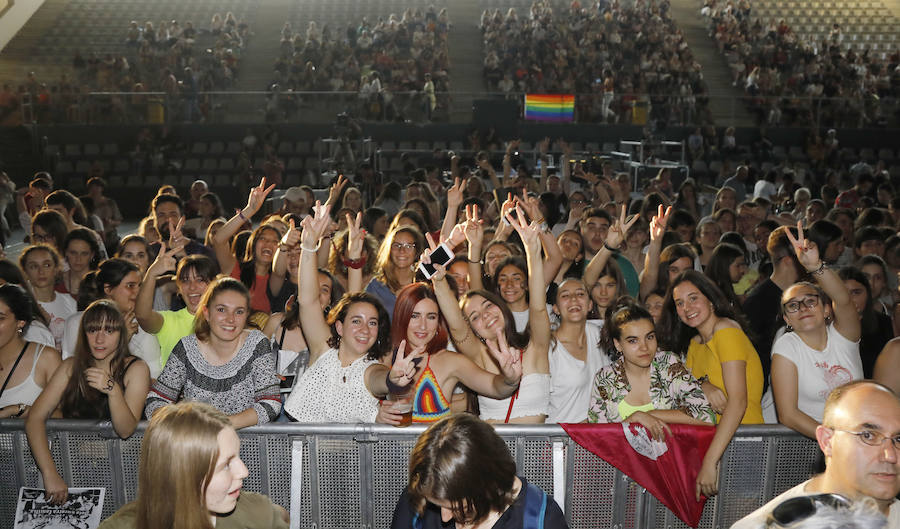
{"x": 355, "y": 236}
{"x": 656, "y": 427}
{"x": 532, "y": 207}
{"x": 619, "y": 230}
{"x": 405, "y": 367}
{"x": 292, "y": 236}
{"x": 508, "y": 360}
{"x": 455, "y": 195}
{"x": 100, "y": 379}
{"x": 176, "y": 237}
{"x": 258, "y": 196}
{"x": 658, "y": 223}
{"x": 512, "y": 146}
{"x": 508, "y": 205}
{"x": 315, "y": 225}
{"x": 165, "y": 260}
{"x": 807, "y": 252}
{"x": 131, "y": 324}
{"x": 335, "y": 190}
{"x": 544, "y": 146}
{"x": 529, "y": 232}
{"x": 473, "y": 229}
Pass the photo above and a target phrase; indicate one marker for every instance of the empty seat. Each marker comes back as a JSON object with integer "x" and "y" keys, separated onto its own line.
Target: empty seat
{"x": 192, "y": 164}
{"x": 91, "y": 149}
{"x": 72, "y": 150}
{"x": 199, "y": 147}
{"x": 110, "y": 149}
{"x": 210, "y": 164}
{"x": 216, "y": 147}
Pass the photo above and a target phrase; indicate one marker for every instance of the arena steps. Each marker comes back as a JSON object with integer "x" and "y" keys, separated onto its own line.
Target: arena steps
{"x": 725, "y": 104}
{"x": 466, "y": 57}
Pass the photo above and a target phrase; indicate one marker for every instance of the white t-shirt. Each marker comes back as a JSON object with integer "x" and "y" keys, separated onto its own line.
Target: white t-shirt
{"x": 765, "y": 189}
{"x": 62, "y": 306}
{"x": 570, "y": 378}
{"x": 39, "y": 333}
{"x": 521, "y": 320}
{"x": 819, "y": 372}
{"x": 757, "y": 519}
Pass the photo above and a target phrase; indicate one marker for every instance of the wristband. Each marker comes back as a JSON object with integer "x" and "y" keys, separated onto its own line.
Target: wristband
{"x": 20, "y": 411}
{"x": 612, "y": 250}
{"x": 475, "y": 262}
{"x": 356, "y": 264}
{"x": 313, "y": 250}
{"x": 819, "y": 271}
{"x": 241, "y": 215}
{"x": 394, "y": 388}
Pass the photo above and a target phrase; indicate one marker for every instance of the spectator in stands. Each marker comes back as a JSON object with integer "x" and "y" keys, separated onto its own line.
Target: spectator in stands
{"x": 345, "y": 377}
{"x": 395, "y": 264}
{"x": 67, "y": 205}
{"x": 49, "y": 227}
{"x": 41, "y": 264}
{"x": 119, "y": 281}
{"x": 823, "y": 329}
{"x": 102, "y": 381}
{"x": 209, "y": 208}
{"x": 82, "y": 254}
{"x": 254, "y": 267}
{"x": 27, "y": 367}
{"x": 737, "y": 183}
{"x": 726, "y": 267}
{"x": 247, "y": 391}
{"x": 859, "y": 418}
{"x": 698, "y": 321}
{"x": 643, "y": 384}
{"x": 105, "y": 208}
{"x": 190, "y": 451}
{"x": 868, "y": 241}
{"x": 30, "y": 200}
{"x": 168, "y": 220}
{"x": 460, "y": 470}
{"x": 876, "y": 328}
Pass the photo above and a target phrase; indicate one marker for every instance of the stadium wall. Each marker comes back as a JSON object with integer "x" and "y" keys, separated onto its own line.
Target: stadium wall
{"x": 13, "y": 16}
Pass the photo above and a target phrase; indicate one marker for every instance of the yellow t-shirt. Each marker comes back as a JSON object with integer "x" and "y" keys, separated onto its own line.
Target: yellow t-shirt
{"x": 727, "y": 345}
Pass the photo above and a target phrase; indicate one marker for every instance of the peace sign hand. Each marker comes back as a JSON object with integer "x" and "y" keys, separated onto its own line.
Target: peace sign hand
{"x": 658, "y": 223}
{"x": 403, "y": 372}
{"x": 258, "y": 196}
{"x": 455, "y": 194}
{"x": 315, "y": 226}
{"x": 508, "y": 360}
{"x": 355, "y": 236}
{"x": 528, "y": 232}
{"x": 473, "y": 229}
{"x": 807, "y": 251}
{"x": 336, "y": 188}
{"x": 619, "y": 230}
{"x": 176, "y": 237}
{"x": 165, "y": 261}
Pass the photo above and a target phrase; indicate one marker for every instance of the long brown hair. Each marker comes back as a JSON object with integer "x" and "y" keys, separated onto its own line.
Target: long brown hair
{"x": 178, "y": 457}
{"x": 385, "y": 269}
{"x": 222, "y": 284}
{"x": 80, "y": 401}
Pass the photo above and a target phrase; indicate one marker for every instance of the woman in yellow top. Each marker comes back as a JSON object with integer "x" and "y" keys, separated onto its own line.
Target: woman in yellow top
{"x": 700, "y": 322}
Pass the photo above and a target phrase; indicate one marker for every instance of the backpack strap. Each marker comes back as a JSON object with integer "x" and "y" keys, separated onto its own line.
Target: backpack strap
{"x": 535, "y": 508}
{"x": 416, "y": 521}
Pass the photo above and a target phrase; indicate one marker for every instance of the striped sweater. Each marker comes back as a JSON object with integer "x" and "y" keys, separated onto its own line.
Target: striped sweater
{"x": 246, "y": 381}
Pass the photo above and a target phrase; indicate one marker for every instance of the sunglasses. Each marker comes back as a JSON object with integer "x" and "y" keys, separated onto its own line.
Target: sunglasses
{"x": 794, "y": 510}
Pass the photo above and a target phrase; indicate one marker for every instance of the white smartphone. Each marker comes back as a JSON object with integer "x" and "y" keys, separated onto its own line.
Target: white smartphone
{"x": 440, "y": 255}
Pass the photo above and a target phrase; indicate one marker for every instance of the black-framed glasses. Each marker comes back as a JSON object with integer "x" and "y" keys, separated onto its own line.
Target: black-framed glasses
{"x": 872, "y": 437}
{"x": 809, "y": 302}
{"x": 800, "y": 508}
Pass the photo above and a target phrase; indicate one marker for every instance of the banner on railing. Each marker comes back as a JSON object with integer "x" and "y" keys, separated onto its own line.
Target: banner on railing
{"x": 550, "y": 107}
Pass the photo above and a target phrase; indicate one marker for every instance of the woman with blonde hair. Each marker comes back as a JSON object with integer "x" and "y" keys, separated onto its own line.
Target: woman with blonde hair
{"x": 191, "y": 452}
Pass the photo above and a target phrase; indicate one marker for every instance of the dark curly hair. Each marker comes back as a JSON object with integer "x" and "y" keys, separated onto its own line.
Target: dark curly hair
{"x": 339, "y": 313}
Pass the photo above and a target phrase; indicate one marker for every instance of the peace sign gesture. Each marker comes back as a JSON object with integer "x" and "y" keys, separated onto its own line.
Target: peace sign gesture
{"x": 175, "y": 235}
{"x": 473, "y": 229}
{"x": 455, "y": 194}
{"x": 658, "y": 223}
{"x": 508, "y": 360}
{"x": 528, "y": 232}
{"x": 619, "y": 229}
{"x": 315, "y": 226}
{"x": 258, "y": 196}
{"x": 355, "y": 236}
{"x": 403, "y": 372}
{"x": 335, "y": 190}
{"x": 807, "y": 252}
{"x": 165, "y": 261}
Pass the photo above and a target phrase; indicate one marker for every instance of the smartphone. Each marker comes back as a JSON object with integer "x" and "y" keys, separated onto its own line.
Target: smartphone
{"x": 440, "y": 255}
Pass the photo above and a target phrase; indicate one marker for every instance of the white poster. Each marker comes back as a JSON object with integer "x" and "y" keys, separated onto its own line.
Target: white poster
{"x": 81, "y": 510}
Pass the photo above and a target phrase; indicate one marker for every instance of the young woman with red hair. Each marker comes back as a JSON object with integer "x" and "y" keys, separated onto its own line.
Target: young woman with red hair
{"x": 419, "y": 322}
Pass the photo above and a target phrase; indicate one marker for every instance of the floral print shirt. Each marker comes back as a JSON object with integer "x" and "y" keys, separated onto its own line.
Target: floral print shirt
{"x": 671, "y": 388}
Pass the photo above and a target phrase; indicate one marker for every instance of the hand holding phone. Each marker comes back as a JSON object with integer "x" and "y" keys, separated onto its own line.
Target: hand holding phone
{"x": 442, "y": 255}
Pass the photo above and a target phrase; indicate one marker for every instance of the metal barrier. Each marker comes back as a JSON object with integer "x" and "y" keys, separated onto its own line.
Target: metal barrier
{"x": 350, "y": 475}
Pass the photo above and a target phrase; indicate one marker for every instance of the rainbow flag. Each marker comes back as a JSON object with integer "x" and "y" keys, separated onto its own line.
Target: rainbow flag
{"x": 550, "y": 107}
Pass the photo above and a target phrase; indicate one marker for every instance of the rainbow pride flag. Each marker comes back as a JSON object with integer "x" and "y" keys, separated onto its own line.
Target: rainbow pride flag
{"x": 550, "y": 107}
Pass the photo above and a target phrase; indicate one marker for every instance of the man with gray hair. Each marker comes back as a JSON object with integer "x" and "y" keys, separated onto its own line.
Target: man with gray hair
{"x": 860, "y": 437}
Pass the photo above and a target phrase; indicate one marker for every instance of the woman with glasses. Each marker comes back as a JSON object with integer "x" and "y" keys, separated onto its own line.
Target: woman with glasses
{"x": 821, "y": 341}
{"x": 396, "y": 264}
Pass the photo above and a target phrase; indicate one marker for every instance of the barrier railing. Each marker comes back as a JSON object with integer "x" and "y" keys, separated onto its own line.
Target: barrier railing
{"x": 287, "y": 106}
{"x": 350, "y": 475}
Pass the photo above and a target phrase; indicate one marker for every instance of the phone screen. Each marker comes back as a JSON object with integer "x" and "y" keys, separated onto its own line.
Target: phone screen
{"x": 440, "y": 256}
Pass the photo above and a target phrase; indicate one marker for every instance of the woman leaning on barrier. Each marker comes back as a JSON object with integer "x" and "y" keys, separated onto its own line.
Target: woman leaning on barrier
{"x": 102, "y": 381}
{"x": 461, "y": 471}
{"x": 191, "y": 475}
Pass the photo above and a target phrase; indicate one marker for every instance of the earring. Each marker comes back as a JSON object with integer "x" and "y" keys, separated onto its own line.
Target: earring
{"x": 789, "y": 328}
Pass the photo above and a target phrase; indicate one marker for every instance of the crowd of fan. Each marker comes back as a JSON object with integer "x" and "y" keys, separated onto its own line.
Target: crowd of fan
{"x": 165, "y": 58}
{"x": 610, "y": 54}
{"x": 791, "y": 81}
{"x": 396, "y": 55}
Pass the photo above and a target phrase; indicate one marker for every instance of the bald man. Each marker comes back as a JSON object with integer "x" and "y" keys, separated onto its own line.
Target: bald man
{"x": 860, "y": 437}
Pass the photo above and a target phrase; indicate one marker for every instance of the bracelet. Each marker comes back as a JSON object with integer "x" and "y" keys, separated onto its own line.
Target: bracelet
{"x": 481, "y": 262}
{"x": 393, "y": 387}
{"x": 821, "y": 270}
{"x": 21, "y": 410}
{"x": 241, "y": 215}
{"x": 312, "y": 250}
{"x": 612, "y": 250}
{"x": 356, "y": 264}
